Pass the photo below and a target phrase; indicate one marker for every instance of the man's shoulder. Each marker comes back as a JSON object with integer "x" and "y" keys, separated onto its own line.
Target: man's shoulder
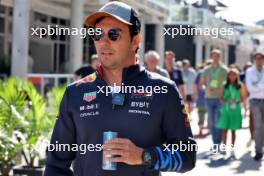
{"x": 224, "y": 67}
{"x": 207, "y": 69}
{"x": 162, "y": 71}
{"x": 88, "y": 80}
{"x": 156, "y": 78}
{"x": 192, "y": 71}
{"x": 250, "y": 70}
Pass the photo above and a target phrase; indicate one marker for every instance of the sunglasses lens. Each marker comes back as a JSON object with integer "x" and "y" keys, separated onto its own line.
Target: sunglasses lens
{"x": 97, "y": 37}
{"x": 114, "y": 34}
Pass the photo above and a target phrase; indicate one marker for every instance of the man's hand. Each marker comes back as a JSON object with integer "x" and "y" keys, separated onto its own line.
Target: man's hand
{"x": 127, "y": 152}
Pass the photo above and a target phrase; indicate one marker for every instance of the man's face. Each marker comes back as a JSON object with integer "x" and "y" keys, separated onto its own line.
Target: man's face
{"x": 169, "y": 60}
{"x": 114, "y": 54}
{"x": 151, "y": 63}
{"x": 185, "y": 66}
{"x": 215, "y": 57}
{"x": 259, "y": 60}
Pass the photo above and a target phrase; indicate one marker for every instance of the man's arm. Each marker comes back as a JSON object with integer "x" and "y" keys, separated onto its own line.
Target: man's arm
{"x": 180, "y": 84}
{"x": 59, "y": 162}
{"x": 177, "y": 133}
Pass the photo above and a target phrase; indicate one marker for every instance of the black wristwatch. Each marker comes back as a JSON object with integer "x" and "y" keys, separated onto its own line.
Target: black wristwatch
{"x": 147, "y": 158}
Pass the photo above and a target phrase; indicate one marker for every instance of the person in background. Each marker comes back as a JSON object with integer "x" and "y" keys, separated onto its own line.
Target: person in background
{"x": 178, "y": 65}
{"x": 174, "y": 73}
{"x": 213, "y": 78}
{"x": 247, "y": 112}
{"x": 255, "y": 87}
{"x": 87, "y": 69}
{"x": 242, "y": 75}
{"x": 189, "y": 76}
{"x": 232, "y": 94}
{"x": 152, "y": 59}
{"x": 199, "y": 96}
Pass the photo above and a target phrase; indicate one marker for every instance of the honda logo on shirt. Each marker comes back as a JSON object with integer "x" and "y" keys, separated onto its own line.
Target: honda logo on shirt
{"x": 89, "y": 96}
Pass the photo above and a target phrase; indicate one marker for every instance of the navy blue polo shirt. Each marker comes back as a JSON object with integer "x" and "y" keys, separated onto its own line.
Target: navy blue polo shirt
{"x": 149, "y": 120}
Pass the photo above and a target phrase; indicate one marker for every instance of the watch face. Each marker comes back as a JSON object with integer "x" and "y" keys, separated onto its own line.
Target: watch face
{"x": 147, "y": 157}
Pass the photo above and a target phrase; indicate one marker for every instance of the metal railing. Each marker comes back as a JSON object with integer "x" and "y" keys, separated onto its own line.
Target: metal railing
{"x": 44, "y": 82}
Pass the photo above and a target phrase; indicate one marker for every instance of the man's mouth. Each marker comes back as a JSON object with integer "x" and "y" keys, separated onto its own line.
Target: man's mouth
{"x": 106, "y": 53}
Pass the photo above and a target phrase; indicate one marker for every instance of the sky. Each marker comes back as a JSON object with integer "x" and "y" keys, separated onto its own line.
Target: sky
{"x": 242, "y": 11}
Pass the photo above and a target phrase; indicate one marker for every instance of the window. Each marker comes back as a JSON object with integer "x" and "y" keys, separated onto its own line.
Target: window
{"x": 55, "y": 57}
{"x": 1, "y": 45}
{"x": 2, "y": 25}
{"x": 41, "y": 17}
{"x": 62, "y": 53}
{"x": 9, "y": 48}
{"x": 54, "y": 36}
{"x": 2, "y": 9}
{"x": 10, "y": 12}
{"x": 62, "y": 37}
{"x": 62, "y": 22}
{"x": 10, "y": 27}
{"x": 54, "y": 20}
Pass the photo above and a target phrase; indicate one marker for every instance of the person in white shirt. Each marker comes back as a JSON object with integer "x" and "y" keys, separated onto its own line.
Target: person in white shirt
{"x": 255, "y": 87}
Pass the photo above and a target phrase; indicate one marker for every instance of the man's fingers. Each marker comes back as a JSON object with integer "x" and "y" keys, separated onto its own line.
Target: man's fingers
{"x": 118, "y": 141}
{"x": 117, "y": 159}
{"x": 115, "y": 146}
{"x": 116, "y": 152}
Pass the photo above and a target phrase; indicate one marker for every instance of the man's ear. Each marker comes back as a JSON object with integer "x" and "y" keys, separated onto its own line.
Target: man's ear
{"x": 136, "y": 41}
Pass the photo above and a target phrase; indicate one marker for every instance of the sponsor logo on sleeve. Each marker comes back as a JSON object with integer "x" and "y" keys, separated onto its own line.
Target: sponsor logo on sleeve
{"x": 90, "y": 96}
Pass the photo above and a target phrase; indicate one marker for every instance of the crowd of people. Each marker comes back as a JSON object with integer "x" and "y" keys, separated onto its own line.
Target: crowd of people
{"x": 222, "y": 92}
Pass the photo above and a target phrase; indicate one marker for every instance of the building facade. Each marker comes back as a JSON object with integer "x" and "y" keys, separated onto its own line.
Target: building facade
{"x": 64, "y": 53}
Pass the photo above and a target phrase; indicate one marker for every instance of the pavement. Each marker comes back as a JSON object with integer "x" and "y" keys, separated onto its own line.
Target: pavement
{"x": 224, "y": 165}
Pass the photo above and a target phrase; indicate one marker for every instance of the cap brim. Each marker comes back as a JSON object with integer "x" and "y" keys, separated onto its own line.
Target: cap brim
{"x": 90, "y": 20}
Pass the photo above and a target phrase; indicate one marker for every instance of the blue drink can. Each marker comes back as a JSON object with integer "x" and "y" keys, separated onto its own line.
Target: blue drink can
{"x": 108, "y": 135}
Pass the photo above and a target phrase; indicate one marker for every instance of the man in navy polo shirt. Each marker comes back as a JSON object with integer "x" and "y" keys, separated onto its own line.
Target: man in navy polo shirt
{"x": 150, "y": 124}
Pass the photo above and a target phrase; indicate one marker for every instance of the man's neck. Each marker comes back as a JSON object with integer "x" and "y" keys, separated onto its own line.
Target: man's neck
{"x": 259, "y": 67}
{"x": 113, "y": 76}
{"x": 169, "y": 68}
{"x": 215, "y": 64}
{"x": 152, "y": 69}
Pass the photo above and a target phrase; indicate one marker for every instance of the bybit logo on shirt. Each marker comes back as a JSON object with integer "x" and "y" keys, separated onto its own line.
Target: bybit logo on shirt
{"x": 142, "y": 104}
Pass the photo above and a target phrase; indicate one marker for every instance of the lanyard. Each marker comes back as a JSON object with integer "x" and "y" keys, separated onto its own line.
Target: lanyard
{"x": 232, "y": 92}
{"x": 215, "y": 72}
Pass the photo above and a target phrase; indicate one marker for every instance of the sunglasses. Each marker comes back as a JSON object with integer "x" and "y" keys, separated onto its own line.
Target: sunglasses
{"x": 114, "y": 34}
